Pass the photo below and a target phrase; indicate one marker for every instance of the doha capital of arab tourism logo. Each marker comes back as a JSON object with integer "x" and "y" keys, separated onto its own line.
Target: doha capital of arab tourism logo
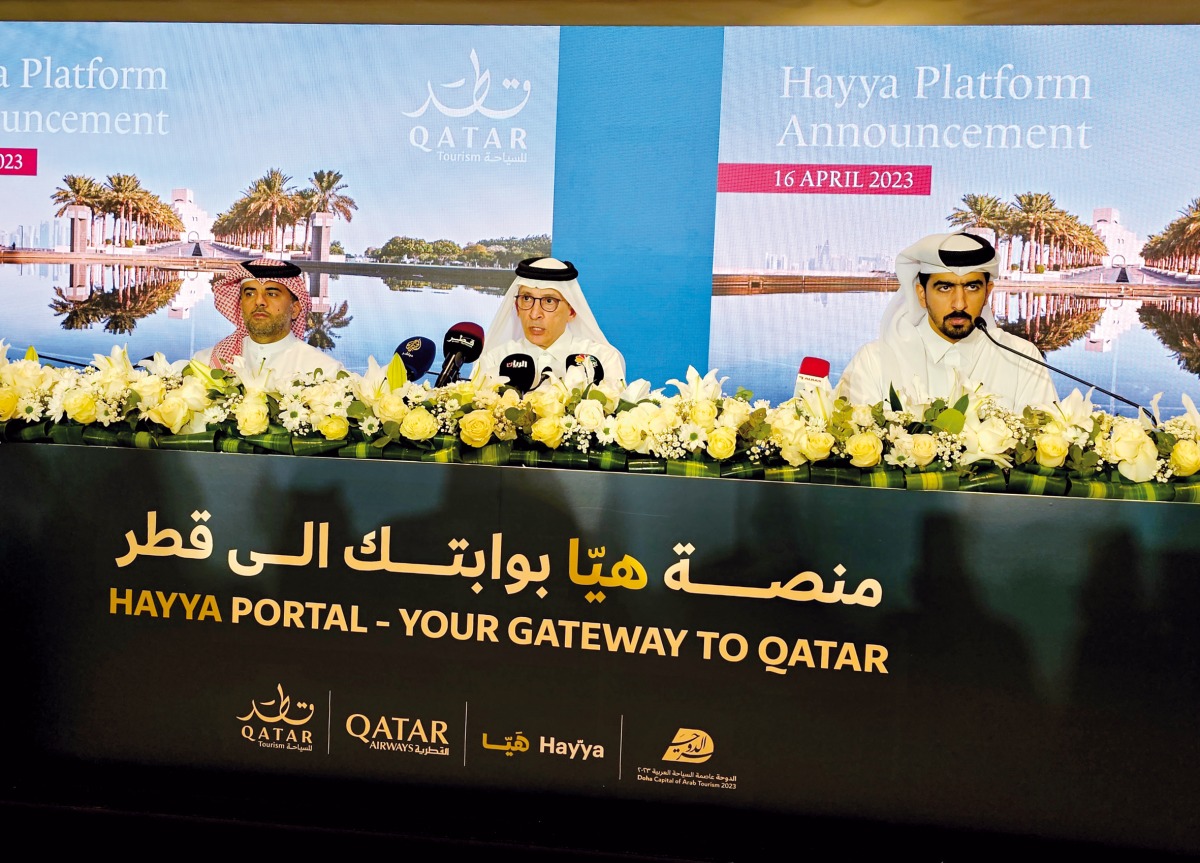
{"x": 690, "y": 745}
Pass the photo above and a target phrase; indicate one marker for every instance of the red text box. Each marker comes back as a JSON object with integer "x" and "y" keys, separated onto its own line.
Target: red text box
{"x": 824, "y": 179}
{"x": 18, "y": 161}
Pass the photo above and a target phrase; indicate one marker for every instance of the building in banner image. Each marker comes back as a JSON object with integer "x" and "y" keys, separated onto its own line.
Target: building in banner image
{"x": 197, "y": 223}
{"x": 1124, "y": 246}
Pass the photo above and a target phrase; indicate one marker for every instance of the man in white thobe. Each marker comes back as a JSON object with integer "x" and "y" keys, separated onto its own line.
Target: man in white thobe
{"x": 929, "y": 345}
{"x": 544, "y": 316}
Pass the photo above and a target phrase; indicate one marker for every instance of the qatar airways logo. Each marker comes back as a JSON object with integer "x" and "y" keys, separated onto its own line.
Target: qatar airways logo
{"x": 472, "y": 140}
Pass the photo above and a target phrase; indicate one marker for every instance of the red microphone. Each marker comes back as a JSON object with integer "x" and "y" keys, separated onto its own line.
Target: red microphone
{"x": 813, "y": 370}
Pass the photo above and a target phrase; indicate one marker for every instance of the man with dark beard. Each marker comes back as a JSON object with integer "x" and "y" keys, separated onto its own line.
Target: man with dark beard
{"x": 928, "y": 344}
{"x": 268, "y": 303}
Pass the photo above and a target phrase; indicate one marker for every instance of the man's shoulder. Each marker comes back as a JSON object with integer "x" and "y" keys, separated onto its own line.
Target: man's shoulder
{"x": 313, "y": 358}
{"x": 1017, "y": 342}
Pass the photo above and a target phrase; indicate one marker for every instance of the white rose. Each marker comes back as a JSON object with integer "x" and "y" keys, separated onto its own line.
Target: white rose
{"x": 590, "y": 415}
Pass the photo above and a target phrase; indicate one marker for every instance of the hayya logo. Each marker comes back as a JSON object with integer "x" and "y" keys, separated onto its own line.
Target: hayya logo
{"x": 400, "y": 734}
{"x": 461, "y": 143}
{"x": 690, "y": 745}
{"x": 517, "y": 742}
{"x": 275, "y": 724}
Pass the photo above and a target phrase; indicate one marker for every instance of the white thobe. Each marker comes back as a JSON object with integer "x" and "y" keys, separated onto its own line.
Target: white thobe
{"x": 939, "y": 365}
{"x": 287, "y": 359}
{"x": 554, "y": 358}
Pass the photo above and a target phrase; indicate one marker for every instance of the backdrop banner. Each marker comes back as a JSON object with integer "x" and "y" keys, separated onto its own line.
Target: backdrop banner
{"x": 1018, "y": 664}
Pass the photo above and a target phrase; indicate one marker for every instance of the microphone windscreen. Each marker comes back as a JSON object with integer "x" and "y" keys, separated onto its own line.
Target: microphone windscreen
{"x": 464, "y": 338}
{"x": 814, "y": 367}
{"x": 518, "y": 368}
{"x": 590, "y": 364}
{"x": 417, "y": 355}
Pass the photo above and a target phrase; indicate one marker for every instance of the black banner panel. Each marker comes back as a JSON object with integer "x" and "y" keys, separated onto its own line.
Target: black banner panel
{"x": 1013, "y": 664}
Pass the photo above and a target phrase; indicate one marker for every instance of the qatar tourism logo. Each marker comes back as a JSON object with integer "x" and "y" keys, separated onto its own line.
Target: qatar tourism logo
{"x": 473, "y": 142}
{"x": 276, "y": 723}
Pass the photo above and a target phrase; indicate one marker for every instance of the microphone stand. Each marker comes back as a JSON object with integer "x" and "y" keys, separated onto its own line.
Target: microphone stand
{"x": 982, "y": 326}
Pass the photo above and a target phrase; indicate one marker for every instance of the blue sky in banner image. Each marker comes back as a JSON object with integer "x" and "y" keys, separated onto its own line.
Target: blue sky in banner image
{"x": 439, "y": 132}
{"x": 1123, "y": 97}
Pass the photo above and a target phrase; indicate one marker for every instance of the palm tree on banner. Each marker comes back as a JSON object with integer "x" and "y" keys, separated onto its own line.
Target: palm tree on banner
{"x": 79, "y": 191}
{"x": 1036, "y": 212}
{"x": 305, "y": 203}
{"x": 321, "y": 326}
{"x": 988, "y": 212}
{"x": 123, "y": 191}
{"x": 329, "y": 185}
{"x": 271, "y": 194}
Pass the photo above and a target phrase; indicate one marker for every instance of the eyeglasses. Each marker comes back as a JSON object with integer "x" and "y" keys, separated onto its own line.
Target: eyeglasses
{"x": 549, "y": 304}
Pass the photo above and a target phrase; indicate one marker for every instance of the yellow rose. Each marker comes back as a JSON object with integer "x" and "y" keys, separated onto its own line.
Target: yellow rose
{"x": 792, "y": 454}
{"x": 334, "y": 427}
{"x": 476, "y": 428}
{"x": 419, "y": 424}
{"x": 27, "y": 375}
{"x": 704, "y": 414}
{"x": 924, "y": 449}
{"x": 80, "y": 406}
{"x": 391, "y": 408}
{"x": 546, "y": 402}
{"x": 1185, "y": 457}
{"x": 589, "y": 414}
{"x": 150, "y": 390}
{"x": 629, "y": 432}
{"x": 1052, "y": 449}
{"x": 1136, "y": 453}
{"x": 547, "y": 430}
{"x": 816, "y": 445}
{"x": 8, "y": 403}
{"x": 251, "y": 414}
{"x": 172, "y": 412}
{"x": 722, "y": 443}
{"x": 864, "y": 449}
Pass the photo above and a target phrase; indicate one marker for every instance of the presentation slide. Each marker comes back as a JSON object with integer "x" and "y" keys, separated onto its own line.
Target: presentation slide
{"x": 1071, "y": 148}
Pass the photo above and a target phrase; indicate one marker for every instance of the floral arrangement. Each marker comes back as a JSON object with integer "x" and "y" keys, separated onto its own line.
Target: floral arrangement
{"x": 698, "y": 429}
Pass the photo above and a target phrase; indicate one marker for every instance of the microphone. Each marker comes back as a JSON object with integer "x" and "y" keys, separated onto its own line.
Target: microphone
{"x": 518, "y": 368}
{"x": 982, "y": 326}
{"x": 813, "y": 370}
{"x": 592, "y": 370}
{"x": 463, "y": 343}
{"x": 417, "y": 355}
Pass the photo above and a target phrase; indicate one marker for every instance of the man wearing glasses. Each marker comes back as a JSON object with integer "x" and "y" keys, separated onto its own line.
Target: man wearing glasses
{"x": 544, "y": 316}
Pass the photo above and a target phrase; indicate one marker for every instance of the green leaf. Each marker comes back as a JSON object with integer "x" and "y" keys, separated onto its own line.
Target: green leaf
{"x": 962, "y": 404}
{"x": 358, "y": 410}
{"x": 744, "y": 394}
{"x": 894, "y": 399}
{"x": 31, "y": 354}
{"x": 950, "y": 420}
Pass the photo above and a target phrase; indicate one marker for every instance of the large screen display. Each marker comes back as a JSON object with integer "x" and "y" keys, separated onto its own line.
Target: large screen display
{"x": 733, "y": 197}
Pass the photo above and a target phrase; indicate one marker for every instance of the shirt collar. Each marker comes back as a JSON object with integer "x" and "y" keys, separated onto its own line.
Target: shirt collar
{"x": 936, "y": 347}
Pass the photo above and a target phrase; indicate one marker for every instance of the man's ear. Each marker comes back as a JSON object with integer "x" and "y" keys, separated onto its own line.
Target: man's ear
{"x": 571, "y": 311}
{"x": 296, "y": 310}
{"x": 921, "y": 295}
